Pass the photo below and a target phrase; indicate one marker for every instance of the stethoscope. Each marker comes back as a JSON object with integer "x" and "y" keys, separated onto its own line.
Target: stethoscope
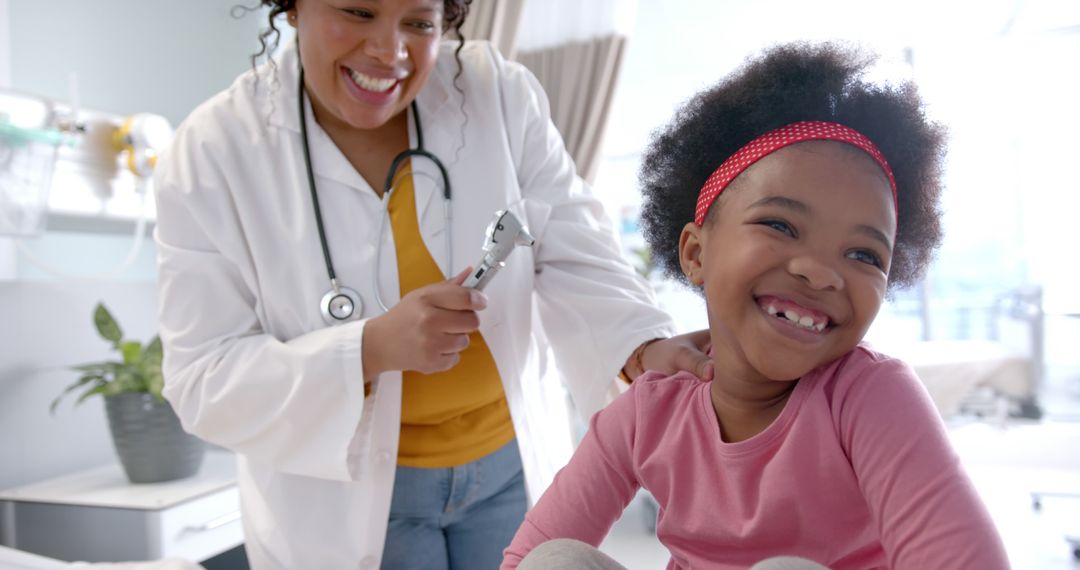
{"x": 342, "y": 303}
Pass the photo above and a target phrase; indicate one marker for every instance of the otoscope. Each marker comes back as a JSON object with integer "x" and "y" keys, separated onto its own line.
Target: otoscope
{"x": 504, "y": 233}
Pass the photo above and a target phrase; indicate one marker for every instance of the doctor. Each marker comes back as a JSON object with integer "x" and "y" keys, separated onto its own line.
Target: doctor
{"x": 413, "y": 436}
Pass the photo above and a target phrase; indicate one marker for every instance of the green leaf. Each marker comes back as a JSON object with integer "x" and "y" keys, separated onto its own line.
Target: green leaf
{"x": 151, "y": 357}
{"x": 155, "y": 383}
{"x": 93, "y": 367}
{"x": 106, "y": 324}
{"x": 99, "y": 389}
{"x": 132, "y": 351}
{"x": 645, "y": 264}
{"x": 107, "y": 369}
{"x": 128, "y": 380}
{"x": 72, "y": 387}
{"x": 140, "y": 370}
{"x": 152, "y": 351}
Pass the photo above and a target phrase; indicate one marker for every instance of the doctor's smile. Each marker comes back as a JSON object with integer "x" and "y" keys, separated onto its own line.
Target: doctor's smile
{"x": 369, "y": 83}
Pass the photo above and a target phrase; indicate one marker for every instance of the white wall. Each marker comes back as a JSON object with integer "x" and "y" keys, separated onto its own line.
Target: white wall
{"x": 5, "y": 47}
{"x": 48, "y": 327}
{"x": 131, "y": 56}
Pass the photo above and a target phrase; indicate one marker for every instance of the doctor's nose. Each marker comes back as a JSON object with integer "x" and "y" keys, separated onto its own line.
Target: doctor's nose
{"x": 815, "y": 272}
{"x": 386, "y": 44}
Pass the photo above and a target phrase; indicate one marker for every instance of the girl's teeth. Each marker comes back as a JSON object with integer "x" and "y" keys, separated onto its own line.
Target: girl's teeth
{"x": 806, "y": 322}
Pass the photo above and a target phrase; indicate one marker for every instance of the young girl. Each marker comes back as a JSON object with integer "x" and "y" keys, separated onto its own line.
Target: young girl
{"x": 793, "y": 195}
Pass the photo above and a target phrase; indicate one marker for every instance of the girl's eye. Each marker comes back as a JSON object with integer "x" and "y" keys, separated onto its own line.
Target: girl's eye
{"x": 424, "y": 26}
{"x": 359, "y": 13}
{"x": 780, "y": 226}
{"x": 867, "y": 257}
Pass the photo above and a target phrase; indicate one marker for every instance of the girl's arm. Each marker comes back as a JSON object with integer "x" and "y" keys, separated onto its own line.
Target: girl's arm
{"x": 927, "y": 511}
{"x": 590, "y": 493}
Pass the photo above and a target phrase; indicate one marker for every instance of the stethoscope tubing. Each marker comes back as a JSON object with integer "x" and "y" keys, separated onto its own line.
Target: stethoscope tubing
{"x": 337, "y": 290}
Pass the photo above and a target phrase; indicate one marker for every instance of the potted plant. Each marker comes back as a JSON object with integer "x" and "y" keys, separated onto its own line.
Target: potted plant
{"x": 149, "y": 440}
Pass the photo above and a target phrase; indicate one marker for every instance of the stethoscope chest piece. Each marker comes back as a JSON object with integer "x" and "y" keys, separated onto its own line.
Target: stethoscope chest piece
{"x": 341, "y": 304}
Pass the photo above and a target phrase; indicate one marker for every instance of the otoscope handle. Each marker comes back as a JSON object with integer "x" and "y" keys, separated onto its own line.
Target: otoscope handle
{"x": 482, "y": 275}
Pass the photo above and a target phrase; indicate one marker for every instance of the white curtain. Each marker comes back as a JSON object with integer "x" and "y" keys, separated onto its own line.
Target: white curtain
{"x": 580, "y": 79}
{"x": 575, "y": 49}
{"x": 496, "y": 21}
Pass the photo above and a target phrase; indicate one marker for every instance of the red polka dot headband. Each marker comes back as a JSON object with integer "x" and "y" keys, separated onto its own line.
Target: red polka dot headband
{"x": 775, "y": 140}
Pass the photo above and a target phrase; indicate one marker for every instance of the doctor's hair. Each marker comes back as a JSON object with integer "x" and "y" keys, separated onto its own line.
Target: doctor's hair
{"x": 454, "y": 14}
{"x": 786, "y": 84}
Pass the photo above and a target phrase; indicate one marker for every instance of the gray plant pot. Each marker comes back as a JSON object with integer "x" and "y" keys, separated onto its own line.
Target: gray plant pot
{"x": 149, "y": 440}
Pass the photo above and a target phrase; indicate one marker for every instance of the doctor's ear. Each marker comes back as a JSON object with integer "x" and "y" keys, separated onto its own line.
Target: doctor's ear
{"x": 690, "y": 253}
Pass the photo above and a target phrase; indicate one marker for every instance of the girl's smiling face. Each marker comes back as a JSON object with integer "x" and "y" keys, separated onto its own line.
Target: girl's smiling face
{"x": 793, "y": 259}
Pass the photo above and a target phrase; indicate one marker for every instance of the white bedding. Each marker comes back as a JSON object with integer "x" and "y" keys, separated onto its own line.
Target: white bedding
{"x": 11, "y": 559}
{"x": 953, "y": 370}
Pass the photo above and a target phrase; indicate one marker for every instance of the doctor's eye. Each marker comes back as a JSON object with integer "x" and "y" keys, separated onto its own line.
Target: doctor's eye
{"x": 424, "y": 25}
{"x": 359, "y": 13}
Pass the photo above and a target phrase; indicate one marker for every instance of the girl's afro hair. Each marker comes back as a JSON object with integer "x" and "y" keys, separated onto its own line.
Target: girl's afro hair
{"x": 789, "y": 83}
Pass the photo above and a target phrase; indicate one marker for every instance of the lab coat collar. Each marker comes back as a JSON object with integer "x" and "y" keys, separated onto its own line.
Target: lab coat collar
{"x": 281, "y": 104}
{"x": 328, "y": 161}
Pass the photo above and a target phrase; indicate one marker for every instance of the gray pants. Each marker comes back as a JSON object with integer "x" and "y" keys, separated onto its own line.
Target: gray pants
{"x": 570, "y": 554}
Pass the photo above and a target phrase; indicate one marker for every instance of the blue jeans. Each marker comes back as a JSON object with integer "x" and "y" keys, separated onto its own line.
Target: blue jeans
{"x": 456, "y": 518}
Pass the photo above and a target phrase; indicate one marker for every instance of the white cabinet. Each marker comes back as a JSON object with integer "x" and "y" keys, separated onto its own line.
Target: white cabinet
{"x": 98, "y": 516}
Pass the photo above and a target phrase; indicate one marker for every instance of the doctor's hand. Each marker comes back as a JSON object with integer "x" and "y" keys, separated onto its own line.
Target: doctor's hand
{"x": 685, "y": 352}
{"x": 425, "y": 331}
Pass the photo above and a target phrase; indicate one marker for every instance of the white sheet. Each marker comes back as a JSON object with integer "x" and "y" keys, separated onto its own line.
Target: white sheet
{"x": 953, "y": 370}
{"x": 11, "y": 559}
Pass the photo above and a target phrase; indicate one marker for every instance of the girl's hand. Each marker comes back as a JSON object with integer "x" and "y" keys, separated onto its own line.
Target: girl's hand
{"x": 683, "y": 352}
{"x": 425, "y": 331}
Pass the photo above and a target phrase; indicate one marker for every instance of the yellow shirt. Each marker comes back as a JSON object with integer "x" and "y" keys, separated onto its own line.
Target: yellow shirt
{"x": 460, "y": 415}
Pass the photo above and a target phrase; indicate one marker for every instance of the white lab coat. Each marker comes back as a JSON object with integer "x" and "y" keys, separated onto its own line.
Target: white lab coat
{"x": 249, "y": 363}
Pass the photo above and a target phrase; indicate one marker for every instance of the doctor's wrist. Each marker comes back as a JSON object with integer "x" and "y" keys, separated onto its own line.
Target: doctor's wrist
{"x": 634, "y": 366}
{"x": 370, "y": 353}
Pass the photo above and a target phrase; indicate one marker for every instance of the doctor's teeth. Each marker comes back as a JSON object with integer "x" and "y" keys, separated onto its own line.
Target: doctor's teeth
{"x": 371, "y": 83}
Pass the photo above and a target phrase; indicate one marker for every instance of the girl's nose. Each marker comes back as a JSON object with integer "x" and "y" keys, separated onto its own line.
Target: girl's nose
{"x": 816, "y": 273}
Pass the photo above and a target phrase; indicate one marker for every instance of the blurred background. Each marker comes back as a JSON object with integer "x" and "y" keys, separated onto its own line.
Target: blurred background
{"x": 993, "y": 331}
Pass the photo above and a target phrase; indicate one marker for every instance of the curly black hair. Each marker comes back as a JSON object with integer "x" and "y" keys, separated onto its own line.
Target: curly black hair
{"x": 454, "y": 14}
{"x": 789, "y": 83}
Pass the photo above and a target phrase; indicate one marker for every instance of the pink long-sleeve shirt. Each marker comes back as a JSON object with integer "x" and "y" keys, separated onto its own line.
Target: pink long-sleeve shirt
{"x": 856, "y": 472}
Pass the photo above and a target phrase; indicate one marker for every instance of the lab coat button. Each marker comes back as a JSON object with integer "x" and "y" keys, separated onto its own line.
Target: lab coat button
{"x": 383, "y": 457}
{"x": 368, "y": 562}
